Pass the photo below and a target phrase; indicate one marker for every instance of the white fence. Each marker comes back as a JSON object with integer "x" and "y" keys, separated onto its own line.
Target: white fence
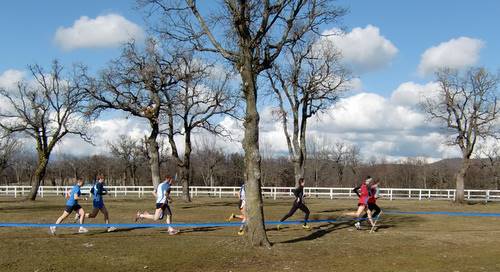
{"x": 269, "y": 192}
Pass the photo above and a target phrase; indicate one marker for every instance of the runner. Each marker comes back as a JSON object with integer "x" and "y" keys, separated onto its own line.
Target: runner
{"x": 72, "y": 205}
{"x": 241, "y": 206}
{"x": 162, "y": 194}
{"x": 363, "y": 192}
{"x": 298, "y": 203}
{"x": 98, "y": 202}
{"x": 372, "y": 200}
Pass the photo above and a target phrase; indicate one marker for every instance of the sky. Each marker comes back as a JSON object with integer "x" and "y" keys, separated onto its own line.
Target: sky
{"x": 393, "y": 48}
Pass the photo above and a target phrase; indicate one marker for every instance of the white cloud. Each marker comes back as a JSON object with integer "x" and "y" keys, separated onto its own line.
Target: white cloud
{"x": 364, "y": 49}
{"x": 411, "y": 94}
{"x": 104, "y": 131}
{"x": 10, "y": 78}
{"x": 455, "y": 53}
{"x": 8, "y": 82}
{"x": 383, "y": 127}
{"x": 104, "y": 31}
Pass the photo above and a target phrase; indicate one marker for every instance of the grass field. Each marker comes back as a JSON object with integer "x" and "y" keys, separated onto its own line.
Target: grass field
{"x": 402, "y": 243}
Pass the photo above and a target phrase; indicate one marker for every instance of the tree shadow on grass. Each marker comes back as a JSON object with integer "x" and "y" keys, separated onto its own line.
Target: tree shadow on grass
{"x": 116, "y": 231}
{"x": 32, "y": 208}
{"x": 386, "y": 222}
{"x": 334, "y": 210}
{"x": 215, "y": 204}
{"x": 194, "y": 230}
{"x": 322, "y": 231}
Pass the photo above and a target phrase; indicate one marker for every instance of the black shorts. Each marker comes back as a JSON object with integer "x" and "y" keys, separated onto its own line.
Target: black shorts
{"x": 164, "y": 208}
{"x": 75, "y": 208}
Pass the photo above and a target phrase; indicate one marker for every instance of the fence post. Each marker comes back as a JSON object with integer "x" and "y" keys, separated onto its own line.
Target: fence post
{"x": 15, "y": 192}
{"x": 420, "y": 194}
{"x": 41, "y": 191}
{"x": 331, "y": 193}
{"x": 487, "y": 195}
{"x": 116, "y": 189}
{"x": 390, "y": 194}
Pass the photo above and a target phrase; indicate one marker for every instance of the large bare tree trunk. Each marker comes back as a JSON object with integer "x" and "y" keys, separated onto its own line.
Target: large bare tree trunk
{"x": 254, "y": 208}
{"x": 184, "y": 180}
{"x": 460, "y": 180}
{"x": 39, "y": 175}
{"x": 298, "y": 168}
{"x": 186, "y": 167}
{"x": 154, "y": 155}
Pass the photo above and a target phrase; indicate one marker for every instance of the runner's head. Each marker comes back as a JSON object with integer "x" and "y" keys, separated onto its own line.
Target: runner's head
{"x": 301, "y": 181}
{"x": 368, "y": 180}
{"x": 100, "y": 178}
{"x": 169, "y": 179}
{"x": 79, "y": 181}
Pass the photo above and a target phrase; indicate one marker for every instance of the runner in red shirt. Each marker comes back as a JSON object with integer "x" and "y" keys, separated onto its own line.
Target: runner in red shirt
{"x": 364, "y": 193}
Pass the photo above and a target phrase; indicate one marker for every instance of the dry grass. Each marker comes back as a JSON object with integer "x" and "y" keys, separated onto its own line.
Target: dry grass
{"x": 403, "y": 242}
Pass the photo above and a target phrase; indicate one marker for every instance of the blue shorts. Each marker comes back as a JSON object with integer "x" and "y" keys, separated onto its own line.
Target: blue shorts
{"x": 98, "y": 204}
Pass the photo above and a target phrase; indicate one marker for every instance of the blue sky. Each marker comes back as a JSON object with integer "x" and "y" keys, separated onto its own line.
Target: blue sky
{"x": 406, "y": 29}
{"x": 28, "y": 29}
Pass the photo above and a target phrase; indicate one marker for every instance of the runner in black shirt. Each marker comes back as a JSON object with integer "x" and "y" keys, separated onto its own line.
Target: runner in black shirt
{"x": 298, "y": 203}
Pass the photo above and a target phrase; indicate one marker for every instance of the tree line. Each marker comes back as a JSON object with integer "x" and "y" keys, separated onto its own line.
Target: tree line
{"x": 339, "y": 165}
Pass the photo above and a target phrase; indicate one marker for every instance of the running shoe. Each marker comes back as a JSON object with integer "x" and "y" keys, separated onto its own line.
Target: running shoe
{"x": 53, "y": 230}
{"x": 173, "y": 232}
{"x": 241, "y": 232}
{"x": 137, "y": 216}
{"x": 278, "y": 227}
{"x": 231, "y": 217}
{"x": 82, "y": 230}
{"x": 306, "y": 227}
{"x": 357, "y": 225}
{"x": 111, "y": 229}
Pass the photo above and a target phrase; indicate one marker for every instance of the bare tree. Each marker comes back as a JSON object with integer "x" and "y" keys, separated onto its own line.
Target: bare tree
{"x": 129, "y": 152}
{"x": 343, "y": 155}
{"x": 210, "y": 157}
{"x": 200, "y": 96}
{"x": 135, "y": 83}
{"x": 255, "y": 34}
{"x": 467, "y": 105}
{"x": 9, "y": 146}
{"x": 45, "y": 110}
{"x": 489, "y": 157}
{"x": 308, "y": 79}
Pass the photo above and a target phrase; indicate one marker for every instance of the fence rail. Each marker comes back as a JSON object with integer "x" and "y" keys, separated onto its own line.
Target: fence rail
{"x": 268, "y": 192}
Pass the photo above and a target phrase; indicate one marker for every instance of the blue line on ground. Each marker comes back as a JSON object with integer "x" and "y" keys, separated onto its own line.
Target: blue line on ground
{"x": 236, "y": 224}
{"x": 465, "y": 214}
{"x": 157, "y": 225}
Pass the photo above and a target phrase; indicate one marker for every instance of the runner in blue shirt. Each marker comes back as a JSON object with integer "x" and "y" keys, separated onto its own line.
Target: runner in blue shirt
{"x": 72, "y": 205}
{"x": 97, "y": 192}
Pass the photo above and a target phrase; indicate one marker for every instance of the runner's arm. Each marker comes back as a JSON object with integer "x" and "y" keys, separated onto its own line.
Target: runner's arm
{"x": 167, "y": 194}
{"x": 356, "y": 190}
